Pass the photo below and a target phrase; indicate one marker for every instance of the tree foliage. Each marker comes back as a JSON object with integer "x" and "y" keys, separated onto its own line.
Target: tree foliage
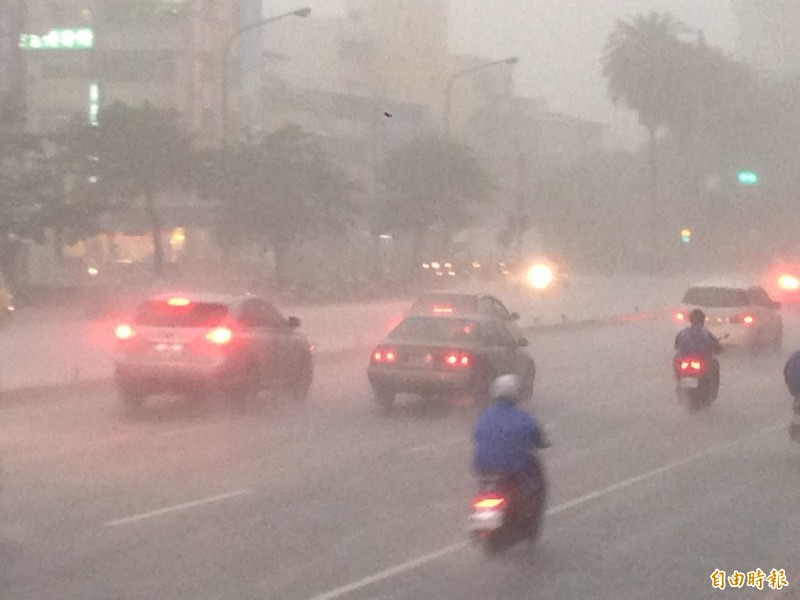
{"x": 430, "y": 182}
{"x": 278, "y": 190}
{"x": 139, "y": 152}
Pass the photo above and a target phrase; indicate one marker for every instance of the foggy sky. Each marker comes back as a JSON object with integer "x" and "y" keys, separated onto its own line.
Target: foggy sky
{"x": 560, "y": 43}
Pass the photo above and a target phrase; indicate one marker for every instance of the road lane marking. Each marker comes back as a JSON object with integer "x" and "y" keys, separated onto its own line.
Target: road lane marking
{"x": 391, "y": 572}
{"x": 452, "y": 548}
{"x": 175, "y": 508}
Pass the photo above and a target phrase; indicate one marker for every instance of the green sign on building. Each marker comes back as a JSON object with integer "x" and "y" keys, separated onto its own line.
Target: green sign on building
{"x": 59, "y": 39}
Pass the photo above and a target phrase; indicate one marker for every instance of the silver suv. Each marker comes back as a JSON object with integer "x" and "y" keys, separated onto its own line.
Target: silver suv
{"x": 239, "y": 345}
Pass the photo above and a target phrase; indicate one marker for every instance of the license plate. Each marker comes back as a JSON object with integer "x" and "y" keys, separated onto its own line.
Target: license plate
{"x": 166, "y": 349}
{"x": 486, "y": 520}
{"x": 419, "y": 362}
{"x": 689, "y": 383}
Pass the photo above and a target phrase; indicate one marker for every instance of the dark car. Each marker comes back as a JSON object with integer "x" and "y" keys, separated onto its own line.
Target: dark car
{"x": 454, "y": 303}
{"x": 237, "y": 344}
{"x": 447, "y": 355}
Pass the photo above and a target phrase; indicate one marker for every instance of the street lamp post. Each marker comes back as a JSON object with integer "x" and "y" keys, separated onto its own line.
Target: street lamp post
{"x": 448, "y": 161}
{"x": 300, "y": 12}
{"x": 448, "y": 97}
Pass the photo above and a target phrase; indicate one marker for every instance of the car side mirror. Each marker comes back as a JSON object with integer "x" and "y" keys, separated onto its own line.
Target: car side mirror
{"x": 293, "y": 322}
{"x": 523, "y": 343}
{"x": 514, "y": 316}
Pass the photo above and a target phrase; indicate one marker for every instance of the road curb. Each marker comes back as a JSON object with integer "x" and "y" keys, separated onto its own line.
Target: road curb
{"x": 326, "y": 357}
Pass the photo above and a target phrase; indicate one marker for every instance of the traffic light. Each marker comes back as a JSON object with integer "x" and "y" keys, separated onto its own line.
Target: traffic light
{"x": 686, "y": 235}
{"x": 748, "y": 177}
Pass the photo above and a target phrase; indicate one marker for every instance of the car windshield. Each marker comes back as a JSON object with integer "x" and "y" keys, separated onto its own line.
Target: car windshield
{"x": 715, "y": 297}
{"x": 432, "y": 329}
{"x": 160, "y": 313}
{"x": 446, "y": 304}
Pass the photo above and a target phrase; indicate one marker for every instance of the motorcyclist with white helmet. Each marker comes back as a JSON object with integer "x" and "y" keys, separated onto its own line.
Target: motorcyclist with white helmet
{"x": 506, "y": 436}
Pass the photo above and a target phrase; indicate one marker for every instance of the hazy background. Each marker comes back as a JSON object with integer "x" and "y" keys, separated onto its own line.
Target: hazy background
{"x": 560, "y": 43}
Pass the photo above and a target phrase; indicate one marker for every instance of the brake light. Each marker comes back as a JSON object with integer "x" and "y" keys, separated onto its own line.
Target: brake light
{"x": 124, "y": 332}
{"x": 443, "y": 310}
{"x": 691, "y": 365}
{"x": 746, "y": 319}
{"x": 384, "y": 355}
{"x": 178, "y": 302}
{"x": 458, "y": 359}
{"x": 220, "y": 336}
{"x": 680, "y": 317}
{"x": 488, "y": 503}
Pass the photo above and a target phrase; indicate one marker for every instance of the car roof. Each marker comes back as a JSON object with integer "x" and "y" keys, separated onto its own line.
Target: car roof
{"x": 479, "y": 317}
{"x": 730, "y": 284}
{"x": 204, "y": 297}
{"x": 449, "y": 294}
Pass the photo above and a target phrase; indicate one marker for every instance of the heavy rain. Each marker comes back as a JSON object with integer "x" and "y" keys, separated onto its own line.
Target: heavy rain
{"x": 349, "y": 299}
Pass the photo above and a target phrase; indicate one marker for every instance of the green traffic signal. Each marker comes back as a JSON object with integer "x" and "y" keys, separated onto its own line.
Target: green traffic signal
{"x": 748, "y": 177}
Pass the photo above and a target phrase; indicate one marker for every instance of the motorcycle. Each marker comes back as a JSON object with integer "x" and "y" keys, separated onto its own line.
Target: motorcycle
{"x": 502, "y": 516}
{"x": 694, "y": 385}
{"x": 694, "y": 381}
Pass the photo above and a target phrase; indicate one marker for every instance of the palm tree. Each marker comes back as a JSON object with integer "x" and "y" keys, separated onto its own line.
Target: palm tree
{"x": 645, "y": 63}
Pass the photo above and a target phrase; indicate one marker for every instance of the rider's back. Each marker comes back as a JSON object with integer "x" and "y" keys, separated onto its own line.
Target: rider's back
{"x": 504, "y": 437}
{"x": 695, "y": 340}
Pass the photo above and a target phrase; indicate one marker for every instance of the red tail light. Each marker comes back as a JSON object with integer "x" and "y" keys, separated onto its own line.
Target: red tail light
{"x": 458, "y": 359}
{"x": 691, "y": 366}
{"x": 220, "y": 336}
{"x": 491, "y": 502}
{"x": 384, "y": 356}
{"x": 124, "y": 332}
{"x": 746, "y": 319}
{"x": 680, "y": 316}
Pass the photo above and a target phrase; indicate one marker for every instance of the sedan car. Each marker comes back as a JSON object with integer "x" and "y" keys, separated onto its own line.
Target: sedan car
{"x": 453, "y": 303}
{"x": 445, "y": 355}
{"x": 240, "y": 345}
{"x": 744, "y": 315}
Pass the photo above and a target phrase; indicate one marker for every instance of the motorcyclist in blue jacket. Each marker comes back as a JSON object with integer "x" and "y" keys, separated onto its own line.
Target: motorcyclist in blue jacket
{"x": 505, "y": 437}
{"x": 791, "y": 374}
{"x": 696, "y": 340}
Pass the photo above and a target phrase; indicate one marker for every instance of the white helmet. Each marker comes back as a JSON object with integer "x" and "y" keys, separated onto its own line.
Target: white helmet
{"x": 506, "y": 386}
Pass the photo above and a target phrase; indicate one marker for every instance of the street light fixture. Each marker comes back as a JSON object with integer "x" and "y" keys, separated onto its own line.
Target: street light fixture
{"x": 300, "y": 12}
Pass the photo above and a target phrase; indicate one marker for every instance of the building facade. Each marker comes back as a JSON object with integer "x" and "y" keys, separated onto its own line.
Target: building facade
{"x": 12, "y": 66}
{"x": 84, "y": 54}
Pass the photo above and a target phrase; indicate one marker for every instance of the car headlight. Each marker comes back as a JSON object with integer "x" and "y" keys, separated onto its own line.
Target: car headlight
{"x": 540, "y": 277}
{"x": 789, "y": 283}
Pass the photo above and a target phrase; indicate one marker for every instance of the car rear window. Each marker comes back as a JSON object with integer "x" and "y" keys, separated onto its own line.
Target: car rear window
{"x": 431, "y": 329}
{"x": 159, "y": 313}
{"x": 445, "y": 304}
{"x": 715, "y": 297}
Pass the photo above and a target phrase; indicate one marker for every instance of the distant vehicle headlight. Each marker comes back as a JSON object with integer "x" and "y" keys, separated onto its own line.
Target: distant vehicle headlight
{"x": 541, "y": 277}
{"x": 790, "y": 283}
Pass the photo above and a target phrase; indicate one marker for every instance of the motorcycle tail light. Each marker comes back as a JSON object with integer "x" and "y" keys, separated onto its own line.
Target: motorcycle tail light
{"x": 488, "y": 502}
